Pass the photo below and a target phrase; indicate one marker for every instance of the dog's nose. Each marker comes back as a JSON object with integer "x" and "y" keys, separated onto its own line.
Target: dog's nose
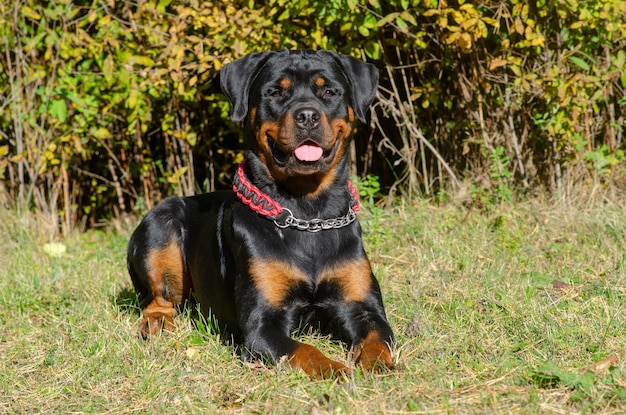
{"x": 307, "y": 118}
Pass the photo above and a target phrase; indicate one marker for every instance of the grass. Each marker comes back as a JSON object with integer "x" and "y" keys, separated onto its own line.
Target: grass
{"x": 481, "y": 325}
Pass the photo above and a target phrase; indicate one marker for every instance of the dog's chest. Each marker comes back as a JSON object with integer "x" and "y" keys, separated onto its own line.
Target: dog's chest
{"x": 315, "y": 259}
{"x": 315, "y": 249}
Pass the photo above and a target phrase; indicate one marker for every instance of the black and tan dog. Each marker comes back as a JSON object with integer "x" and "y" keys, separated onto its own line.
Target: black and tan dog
{"x": 283, "y": 250}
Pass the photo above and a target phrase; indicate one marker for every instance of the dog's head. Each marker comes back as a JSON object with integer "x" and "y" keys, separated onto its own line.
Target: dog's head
{"x": 299, "y": 108}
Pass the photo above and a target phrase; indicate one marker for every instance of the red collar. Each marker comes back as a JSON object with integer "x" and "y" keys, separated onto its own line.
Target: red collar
{"x": 264, "y": 205}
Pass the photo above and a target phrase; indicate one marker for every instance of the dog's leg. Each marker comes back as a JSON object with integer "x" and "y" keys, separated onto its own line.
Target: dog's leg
{"x": 360, "y": 313}
{"x": 372, "y": 353}
{"x": 314, "y": 363}
{"x": 157, "y": 316}
{"x": 160, "y": 280}
{"x": 274, "y": 344}
{"x": 270, "y": 316}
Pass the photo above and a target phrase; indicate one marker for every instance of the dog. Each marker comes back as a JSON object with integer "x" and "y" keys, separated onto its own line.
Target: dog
{"x": 283, "y": 249}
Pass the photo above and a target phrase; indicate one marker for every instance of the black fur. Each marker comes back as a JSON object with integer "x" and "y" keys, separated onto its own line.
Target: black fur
{"x": 219, "y": 237}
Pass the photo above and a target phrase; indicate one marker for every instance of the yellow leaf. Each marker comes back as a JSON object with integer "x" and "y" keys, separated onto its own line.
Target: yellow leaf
{"x": 28, "y": 12}
{"x": 496, "y": 63}
{"x": 141, "y": 60}
{"x": 431, "y": 12}
{"x": 192, "y": 352}
{"x": 468, "y": 7}
{"x": 191, "y": 138}
{"x": 577, "y": 25}
{"x": 602, "y": 366}
{"x": 132, "y": 97}
{"x": 490, "y": 21}
{"x": 100, "y": 132}
{"x": 452, "y": 38}
{"x": 519, "y": 26}
{"x": 465, "y": 41}
{"x": 105, "y": 20}
{"x": 458, "y": 17}
{"x": 78, "y": 145}
{"x": 55, "y": 249}
{"x": 516, "y": 70}
{"x": 469, "y": 23}
{"x": 481, "y": 30}
{"x": 174, "y": 178}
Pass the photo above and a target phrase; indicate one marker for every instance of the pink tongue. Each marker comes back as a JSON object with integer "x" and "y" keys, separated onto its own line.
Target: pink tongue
{"x": 307, "y": 152}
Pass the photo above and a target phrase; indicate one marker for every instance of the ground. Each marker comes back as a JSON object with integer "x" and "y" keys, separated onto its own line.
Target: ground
{"x": 516, "y": 310}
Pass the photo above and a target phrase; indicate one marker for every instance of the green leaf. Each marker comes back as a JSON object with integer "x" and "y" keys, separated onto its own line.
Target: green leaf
{"x": 402, "y": 24}
{"x": 58, "y": 110}
{"x": 580, "y": 62}
{"x": 100, "y": 132}
{"x": 163, "y": 5}
{"x": 346, "y": 27}
{"x": 549, "y": 375}
{"x": 284, "y": 15}
{"x": 409, "y": 17}
{"x": 372, "y": 50}
{"x": 370, "y": 21}
{"x": 141, "y": 60}
{"x": 389, "y": 18}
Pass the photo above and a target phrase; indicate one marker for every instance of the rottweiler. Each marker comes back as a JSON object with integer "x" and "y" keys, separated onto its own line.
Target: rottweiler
{"x": 283, "y": 249}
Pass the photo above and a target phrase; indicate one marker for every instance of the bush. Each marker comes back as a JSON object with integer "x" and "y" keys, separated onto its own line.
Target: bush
{"x": 108, "y": 106}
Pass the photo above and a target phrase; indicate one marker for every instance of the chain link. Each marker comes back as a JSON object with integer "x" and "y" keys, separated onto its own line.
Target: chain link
{"x": 316, "y": 225}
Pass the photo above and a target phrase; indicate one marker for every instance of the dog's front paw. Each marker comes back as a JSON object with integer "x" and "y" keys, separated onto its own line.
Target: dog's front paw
{"x": 373, "y": 354}
{"x": 315, "y": 364}
{"x": 156, "y": 321}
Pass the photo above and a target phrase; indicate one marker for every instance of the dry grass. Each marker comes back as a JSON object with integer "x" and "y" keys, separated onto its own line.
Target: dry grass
{"x": 481, "y": 326}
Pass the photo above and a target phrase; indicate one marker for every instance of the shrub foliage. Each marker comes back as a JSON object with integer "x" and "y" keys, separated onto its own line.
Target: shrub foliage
{"x": 106, "y": 106}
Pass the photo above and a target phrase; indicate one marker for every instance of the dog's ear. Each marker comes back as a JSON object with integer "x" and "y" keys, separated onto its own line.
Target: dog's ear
{"x": 363, "y": 78}
{"x": 236, "y": 78}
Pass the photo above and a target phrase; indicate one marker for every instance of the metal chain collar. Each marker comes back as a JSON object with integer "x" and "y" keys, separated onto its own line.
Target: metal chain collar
{"x": 267, "y": 207}
{"x": 316, "y": 225}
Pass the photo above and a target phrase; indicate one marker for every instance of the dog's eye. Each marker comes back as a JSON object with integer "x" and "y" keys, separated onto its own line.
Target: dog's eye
{"x": 329, "y": 93}
{"x": 274, "y": 93}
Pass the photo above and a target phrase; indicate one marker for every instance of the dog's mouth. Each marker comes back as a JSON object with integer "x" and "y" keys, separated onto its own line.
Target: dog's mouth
{"x": 307, "y": 153}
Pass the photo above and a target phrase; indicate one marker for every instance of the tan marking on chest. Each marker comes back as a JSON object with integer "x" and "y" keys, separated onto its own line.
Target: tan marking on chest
{"x": 354, "y": 278}
{"x": 273, "y": 279}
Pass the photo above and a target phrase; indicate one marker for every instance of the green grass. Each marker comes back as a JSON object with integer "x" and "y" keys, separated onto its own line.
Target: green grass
{"x": 481, "y": 327}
